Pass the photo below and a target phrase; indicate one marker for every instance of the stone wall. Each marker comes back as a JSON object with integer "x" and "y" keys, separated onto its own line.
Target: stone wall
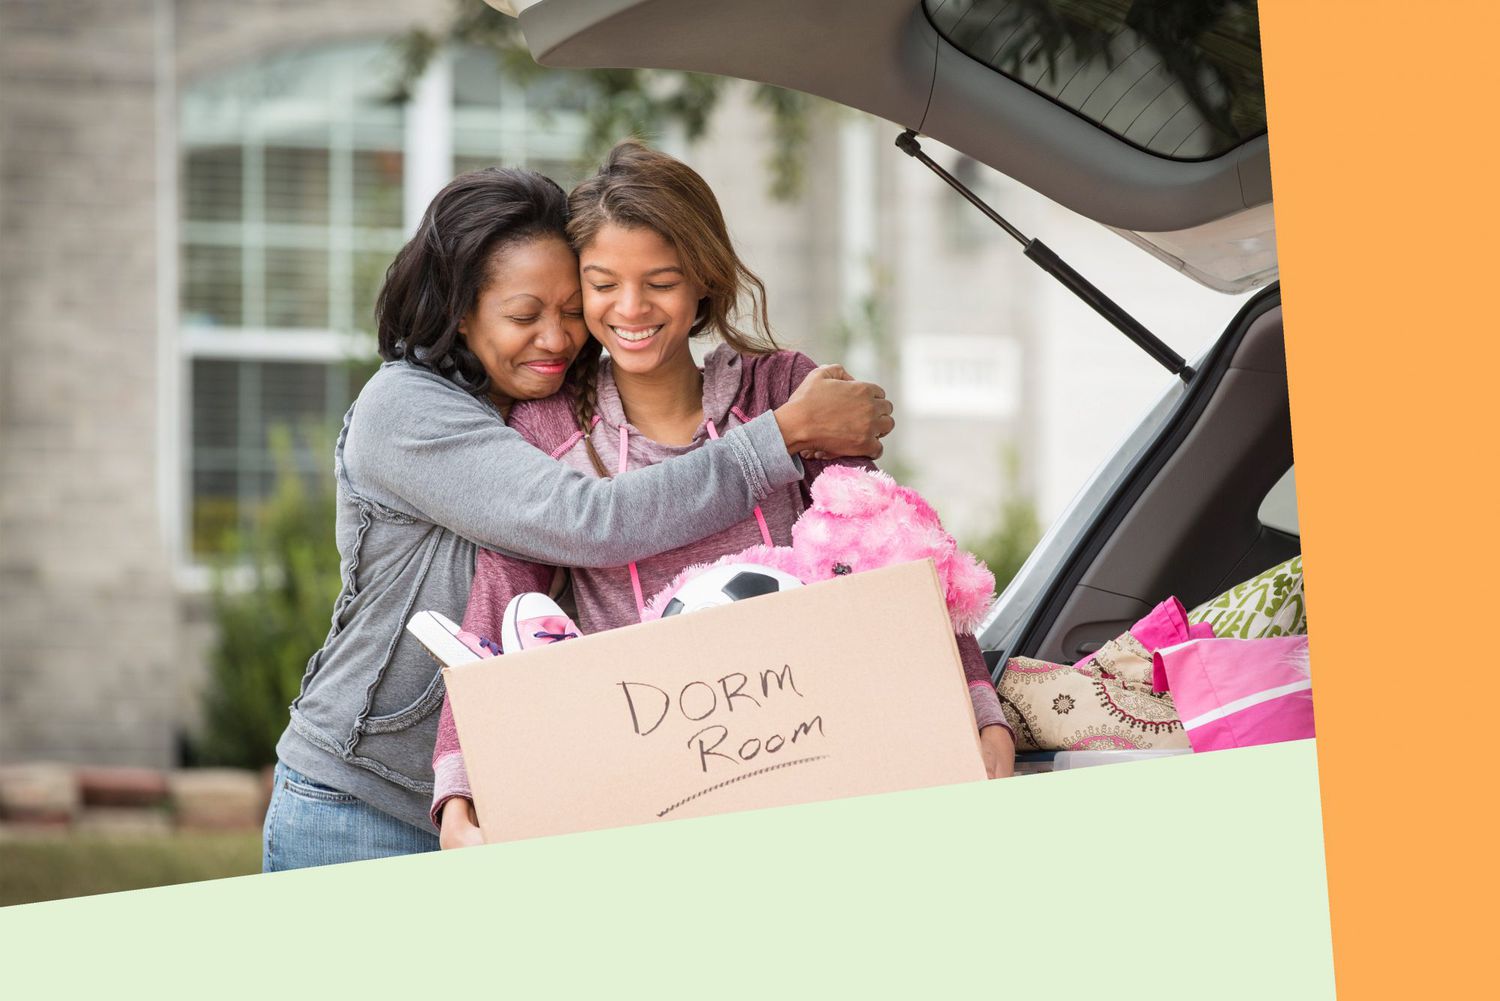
{"x": 93, "y": 660}
{"x": 87, "y": 604}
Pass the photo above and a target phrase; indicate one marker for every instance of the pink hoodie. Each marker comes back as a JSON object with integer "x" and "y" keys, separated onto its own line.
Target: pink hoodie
{"x": 736, "y": 389}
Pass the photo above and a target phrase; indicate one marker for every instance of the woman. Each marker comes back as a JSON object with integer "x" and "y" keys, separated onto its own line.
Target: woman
{"x": 659, "y": 269}
{"x": 480, "y": 309}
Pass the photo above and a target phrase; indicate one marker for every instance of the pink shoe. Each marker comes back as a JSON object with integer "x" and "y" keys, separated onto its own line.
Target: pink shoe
{"x": 448, "y": 643}
{"x": 533, "y": 620}
{"x": 481, "y": 645}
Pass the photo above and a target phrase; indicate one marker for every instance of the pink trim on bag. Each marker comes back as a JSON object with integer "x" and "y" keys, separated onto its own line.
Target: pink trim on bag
{"x": 1289, "y": 717}
{"x": 1167, "y": 624}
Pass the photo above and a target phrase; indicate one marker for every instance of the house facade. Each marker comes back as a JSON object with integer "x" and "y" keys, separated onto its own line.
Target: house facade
{"x": 198, "y": 199}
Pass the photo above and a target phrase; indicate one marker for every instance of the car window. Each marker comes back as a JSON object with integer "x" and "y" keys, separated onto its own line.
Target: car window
{"x": 1179, "y": 79}
{"x": 1279, "y": 509}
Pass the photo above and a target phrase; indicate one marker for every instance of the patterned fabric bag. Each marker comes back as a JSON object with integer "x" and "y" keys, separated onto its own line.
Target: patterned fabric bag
{"x": 1103, "y": 703}
{"x": 1108, "y": 702}
{"x": 1055, "y": 707}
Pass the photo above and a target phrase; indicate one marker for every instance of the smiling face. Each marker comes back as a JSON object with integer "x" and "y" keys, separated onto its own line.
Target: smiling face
{"x": 636, "y": 298}
{"x": 528, "y": 322}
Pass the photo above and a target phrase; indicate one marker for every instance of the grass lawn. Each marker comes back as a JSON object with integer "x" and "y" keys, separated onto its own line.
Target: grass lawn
{"x": 46, "y": 867}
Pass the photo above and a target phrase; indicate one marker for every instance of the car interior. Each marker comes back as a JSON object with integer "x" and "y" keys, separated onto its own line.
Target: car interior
{"x": 1210, "y": 507}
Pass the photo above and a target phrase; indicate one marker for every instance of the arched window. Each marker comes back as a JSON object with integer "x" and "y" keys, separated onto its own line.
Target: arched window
{"x": 300, "y": 178}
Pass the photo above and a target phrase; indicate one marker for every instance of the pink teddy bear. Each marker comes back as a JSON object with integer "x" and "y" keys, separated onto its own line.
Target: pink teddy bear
{"x": 863, "y": 520}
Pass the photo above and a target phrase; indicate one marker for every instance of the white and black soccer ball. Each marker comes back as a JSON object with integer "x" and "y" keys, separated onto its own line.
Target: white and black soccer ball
{"x": 730, "y": 582}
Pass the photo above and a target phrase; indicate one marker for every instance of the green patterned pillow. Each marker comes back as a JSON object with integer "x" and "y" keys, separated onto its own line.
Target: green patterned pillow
{"x": 1268, "y": 605}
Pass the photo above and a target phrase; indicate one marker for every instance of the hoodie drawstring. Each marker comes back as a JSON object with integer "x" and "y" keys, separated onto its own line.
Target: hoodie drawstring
{"x": 760, "y": 519}
{"x": 635, "y": 574}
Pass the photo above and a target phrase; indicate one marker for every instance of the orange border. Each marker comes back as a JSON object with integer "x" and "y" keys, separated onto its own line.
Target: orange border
{"x": 1383, "y": 160}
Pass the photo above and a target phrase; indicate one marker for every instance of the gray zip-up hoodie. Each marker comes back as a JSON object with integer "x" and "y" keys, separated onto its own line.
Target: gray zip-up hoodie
{"x": 426, "y": 473}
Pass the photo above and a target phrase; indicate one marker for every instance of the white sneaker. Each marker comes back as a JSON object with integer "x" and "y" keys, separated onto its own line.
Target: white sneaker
{"x": 532, "y": 620}
{"x": 446, "y": 641}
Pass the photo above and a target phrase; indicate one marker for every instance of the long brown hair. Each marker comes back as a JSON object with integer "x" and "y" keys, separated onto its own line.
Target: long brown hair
{"x": 638, "y": 186}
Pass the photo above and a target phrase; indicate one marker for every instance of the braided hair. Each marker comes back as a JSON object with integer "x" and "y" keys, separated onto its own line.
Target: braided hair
{"x": 582, "y": 386}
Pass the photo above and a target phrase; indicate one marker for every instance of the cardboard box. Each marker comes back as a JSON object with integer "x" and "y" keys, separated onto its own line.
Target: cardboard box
{"x": 840, "y": 688}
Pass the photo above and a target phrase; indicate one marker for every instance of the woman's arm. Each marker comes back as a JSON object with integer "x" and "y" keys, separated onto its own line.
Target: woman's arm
{"x": 423, "y": 447}
{"x": 796, "y": 367}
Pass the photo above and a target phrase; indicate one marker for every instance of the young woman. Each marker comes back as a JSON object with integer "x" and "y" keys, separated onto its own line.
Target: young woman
{"x": 658, "y": 270}
{"x": 480, "y": 309}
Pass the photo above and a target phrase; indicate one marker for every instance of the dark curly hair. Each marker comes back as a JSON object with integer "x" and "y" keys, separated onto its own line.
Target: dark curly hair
{"x": 437, "y": 277}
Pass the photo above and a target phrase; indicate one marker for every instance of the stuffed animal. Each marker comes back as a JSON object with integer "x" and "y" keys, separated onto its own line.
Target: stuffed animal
{"x": 862, "y": 520}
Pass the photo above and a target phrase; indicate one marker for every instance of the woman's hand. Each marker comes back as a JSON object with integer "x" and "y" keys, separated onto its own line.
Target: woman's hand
{"x": 460, "y": 826}
{"x": 832, "y": 416}
{"x": 999, "y": 752}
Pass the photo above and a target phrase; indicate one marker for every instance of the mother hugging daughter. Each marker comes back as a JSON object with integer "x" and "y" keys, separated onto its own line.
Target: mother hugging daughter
{"x": 658, "y": 269}
{"x": 479, "y": 310}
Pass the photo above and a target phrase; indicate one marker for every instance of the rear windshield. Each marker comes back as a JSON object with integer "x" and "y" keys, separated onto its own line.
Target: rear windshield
{"x": 1179, "y": 78}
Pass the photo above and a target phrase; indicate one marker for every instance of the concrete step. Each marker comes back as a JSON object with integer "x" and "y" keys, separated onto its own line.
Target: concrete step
{"x": 105, "y": 786}
{"x": 39, "y": 793}
{"x": 217, "y": 798}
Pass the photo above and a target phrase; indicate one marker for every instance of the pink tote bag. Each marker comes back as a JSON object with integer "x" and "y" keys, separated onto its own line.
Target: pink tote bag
{"x": 1237, "y": 693}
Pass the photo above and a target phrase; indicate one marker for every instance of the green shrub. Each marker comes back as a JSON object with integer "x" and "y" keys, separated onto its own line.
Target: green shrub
{"x": 269, "y": 629}
{"x": 1015, "y": 533}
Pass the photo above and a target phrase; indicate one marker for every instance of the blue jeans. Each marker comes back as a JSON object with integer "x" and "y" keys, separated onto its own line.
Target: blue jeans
{"x": 309, "y": 823}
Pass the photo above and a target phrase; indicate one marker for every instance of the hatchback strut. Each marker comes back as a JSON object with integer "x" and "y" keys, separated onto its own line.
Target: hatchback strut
{"x": 1059, "y": 269}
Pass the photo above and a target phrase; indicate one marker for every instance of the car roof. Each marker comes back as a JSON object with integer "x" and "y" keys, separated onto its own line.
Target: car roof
{"x": 887, "y": 58}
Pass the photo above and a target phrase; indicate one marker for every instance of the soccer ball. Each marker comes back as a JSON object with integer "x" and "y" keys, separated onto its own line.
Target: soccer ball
{"x": 731, "y": 582}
